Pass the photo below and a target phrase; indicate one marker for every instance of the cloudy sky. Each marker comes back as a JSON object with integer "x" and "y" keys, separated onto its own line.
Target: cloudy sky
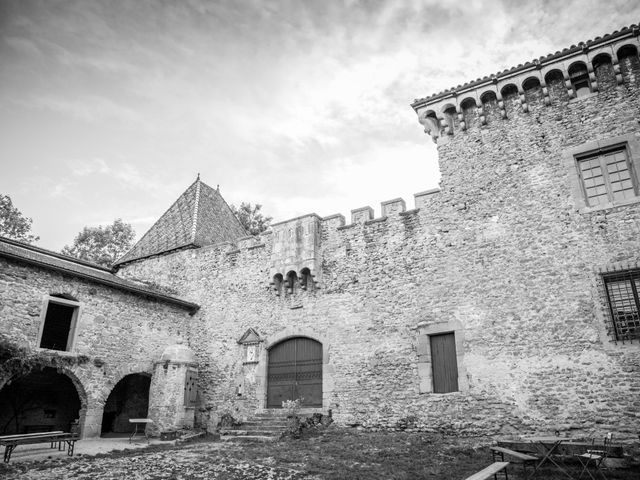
{"x": 111, "y": 108}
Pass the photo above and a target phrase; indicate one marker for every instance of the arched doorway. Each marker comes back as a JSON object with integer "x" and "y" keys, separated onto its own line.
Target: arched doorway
{"x": 295, "y": 371}
{"x": 128, "y": 399}
{"x": 41, "y": 401}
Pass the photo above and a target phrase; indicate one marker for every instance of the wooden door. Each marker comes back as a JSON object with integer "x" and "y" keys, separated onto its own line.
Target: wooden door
{"x": 444, "y": 363}
{"x": 295, "y": 371}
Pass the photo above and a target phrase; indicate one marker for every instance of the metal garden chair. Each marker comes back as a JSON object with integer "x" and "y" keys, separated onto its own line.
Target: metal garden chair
{"x": 595, "y": 457}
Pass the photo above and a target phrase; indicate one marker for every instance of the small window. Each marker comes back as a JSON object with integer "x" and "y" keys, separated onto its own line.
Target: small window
{"x": 190, "y": 388}
{"x": 59, "y": 325}
{"x": 444, "y": 363}
{"x": 606, "y": 176}
{"x": 624, "y": 303}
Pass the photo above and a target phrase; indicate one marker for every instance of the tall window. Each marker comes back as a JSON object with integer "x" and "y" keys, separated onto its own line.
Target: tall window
{"x": 606, "y": 176}
{"x": 624, "y": 303}
{"x": 58, "y": 328}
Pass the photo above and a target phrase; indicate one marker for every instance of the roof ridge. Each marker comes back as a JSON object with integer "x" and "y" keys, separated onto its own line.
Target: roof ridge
{"x": 196, "y": 207}
{"x": 633, "y": 28}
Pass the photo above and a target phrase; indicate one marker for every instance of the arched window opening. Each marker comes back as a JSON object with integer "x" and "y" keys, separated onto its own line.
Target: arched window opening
{"x": 469, "y": 110}
{"x": 628, "y": 59}
{"x": 531, "y": 83}
{"x": 468, "y": 103}
{"x": 603, "y": 70}
{"x": 627, "y": 51}
{"x": 292, "y": 282}
{"x": 431, "y": 123}
{"x": 555, "y": 84}
{"x": 579, "y": 76}
{"x": 450, "y": 117}
{"x": 278, "y": 283}
{"x": 532, "y": 89}
{"x": 128, "y": 399}
{"x": 488, "y": 97}
{"x": 306, "y": 279}
{"x": 295, "y": 372}
{"x": 41, "y": 401}
{"x": 490, "y": 106}
{"x": 554, "y": 77}
{"x": 601, "y": 59}
{"x": 509, "y": 91}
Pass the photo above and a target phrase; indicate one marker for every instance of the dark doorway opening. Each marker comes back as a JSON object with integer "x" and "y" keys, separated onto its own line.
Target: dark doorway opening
{"x": 128, "y": 399}
{"x": 41, "y": 401}
{"x": 295, "y": 371}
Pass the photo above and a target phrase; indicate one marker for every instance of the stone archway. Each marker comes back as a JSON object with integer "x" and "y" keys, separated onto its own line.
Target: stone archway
{"x": 129, "y": 398}
{"x": 282, "y": 336}
{"x": 43, "y": 400}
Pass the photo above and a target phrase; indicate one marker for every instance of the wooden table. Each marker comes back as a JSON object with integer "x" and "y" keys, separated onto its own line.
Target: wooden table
{"x": 10, "y": 442}
{"x": 140, "y": 421}
{"x": 549, "y": 446}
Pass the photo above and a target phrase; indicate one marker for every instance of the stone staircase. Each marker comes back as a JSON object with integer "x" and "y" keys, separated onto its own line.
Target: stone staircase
{"x": 265, "y": 426}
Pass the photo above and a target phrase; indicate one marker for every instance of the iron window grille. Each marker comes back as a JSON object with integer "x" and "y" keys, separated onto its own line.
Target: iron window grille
{"x": 606, "y": 176}
{"x": 621, "y": 290}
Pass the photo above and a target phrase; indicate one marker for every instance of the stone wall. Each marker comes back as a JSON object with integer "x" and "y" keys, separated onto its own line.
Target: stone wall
{"x": 118, "y": 333}
{"x": 502, "y": 256}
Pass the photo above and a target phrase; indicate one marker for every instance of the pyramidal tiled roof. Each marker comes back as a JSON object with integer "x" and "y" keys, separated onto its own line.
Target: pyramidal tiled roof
{"x": 199, "y": 217}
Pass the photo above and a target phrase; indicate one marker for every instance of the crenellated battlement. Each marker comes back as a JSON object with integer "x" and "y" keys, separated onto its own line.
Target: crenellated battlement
{"x": 295, "y": 247}
{"x": 574, "y": 70}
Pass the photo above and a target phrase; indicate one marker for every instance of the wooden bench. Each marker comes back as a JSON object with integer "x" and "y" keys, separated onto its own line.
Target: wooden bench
{"x": 498, "y": 453}
{"x": 59, "y": 437}
{"x": 491, "y": 470}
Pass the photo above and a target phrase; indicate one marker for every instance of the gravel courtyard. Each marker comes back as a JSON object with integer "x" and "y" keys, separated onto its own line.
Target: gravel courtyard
{"x": 336, "y": 454}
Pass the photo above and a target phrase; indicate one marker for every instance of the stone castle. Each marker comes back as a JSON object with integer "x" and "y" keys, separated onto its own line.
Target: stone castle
{"x": 507, "y": 300}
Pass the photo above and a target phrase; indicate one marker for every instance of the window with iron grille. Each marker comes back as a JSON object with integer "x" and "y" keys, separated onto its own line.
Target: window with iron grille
{"x": 606, "y": 176}
{"x": 624, "y": 304}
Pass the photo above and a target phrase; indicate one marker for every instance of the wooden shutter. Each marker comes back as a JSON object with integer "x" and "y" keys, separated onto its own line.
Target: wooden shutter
{"x": 190, "y": 389}
{"x": 444, "y": 363}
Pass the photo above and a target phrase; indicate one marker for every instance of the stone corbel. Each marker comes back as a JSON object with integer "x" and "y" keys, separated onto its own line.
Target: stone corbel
{"x": 503, "y": 111}
{"x": 616, "y": 68}
{"x": 463, "y": 124}
{"x": 444, "y": 126}
{"x": 523, "y": 102}
{"x": 567, "y": 83}
{"x": 592, "y": 77}
{"x": 431, "y": 126}
{"x": 483, "y": 118}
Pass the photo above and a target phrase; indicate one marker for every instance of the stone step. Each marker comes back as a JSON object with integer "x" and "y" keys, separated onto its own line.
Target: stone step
{"x": 264, "y": 423}
{"x": 242, "y": 432}
{"x": 274, "y": 414}
{"x": 248, "y": 438}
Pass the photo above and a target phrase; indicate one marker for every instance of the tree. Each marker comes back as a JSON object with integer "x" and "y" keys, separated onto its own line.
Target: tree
{"x": 13, "y": 224}
{"x": 251, "y": 218}
{"x": 103, "y": 244}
